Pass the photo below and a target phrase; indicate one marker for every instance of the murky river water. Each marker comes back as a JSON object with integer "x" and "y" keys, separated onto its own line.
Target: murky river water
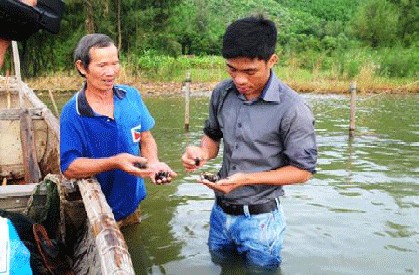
{"x": 358, "y": 215}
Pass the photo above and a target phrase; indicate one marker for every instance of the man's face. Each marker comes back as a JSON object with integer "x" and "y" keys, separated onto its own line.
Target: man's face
{"x": 103, "y": 68}
{"x": 250, "y": 75}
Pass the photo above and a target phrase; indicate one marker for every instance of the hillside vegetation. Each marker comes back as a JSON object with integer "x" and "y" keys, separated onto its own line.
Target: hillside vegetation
{"x": 373, "y": 40}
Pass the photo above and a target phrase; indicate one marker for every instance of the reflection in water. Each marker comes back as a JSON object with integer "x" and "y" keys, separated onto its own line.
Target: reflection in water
{"x": 358, "y": 215}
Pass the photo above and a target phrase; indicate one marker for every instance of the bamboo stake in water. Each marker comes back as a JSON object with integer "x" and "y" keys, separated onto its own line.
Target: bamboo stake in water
{"x": 187, "y": 88}
{"x": 51, "y": 96}
{"x": 353, "y": 108}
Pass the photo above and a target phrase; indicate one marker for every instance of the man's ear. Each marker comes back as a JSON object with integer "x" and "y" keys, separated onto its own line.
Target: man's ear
{"x": 80, "y": 67}
{"x": 272, "y": 61}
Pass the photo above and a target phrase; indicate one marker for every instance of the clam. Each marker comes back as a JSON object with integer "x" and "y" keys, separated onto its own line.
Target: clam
{"x": 140, "y": 165}
{"x": 161, "y": 175}
{"x": 209, "y": 176}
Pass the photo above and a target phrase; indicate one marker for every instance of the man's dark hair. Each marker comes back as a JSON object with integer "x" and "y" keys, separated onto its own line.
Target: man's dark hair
{"x": 251, "y": 37}
{"x": 94, "y": 40}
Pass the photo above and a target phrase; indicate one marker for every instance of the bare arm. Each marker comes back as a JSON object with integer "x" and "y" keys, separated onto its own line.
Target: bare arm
{"x": 207, "y": 150}
{"x": 286, "y": 175}
{"x": 87, "y": 167}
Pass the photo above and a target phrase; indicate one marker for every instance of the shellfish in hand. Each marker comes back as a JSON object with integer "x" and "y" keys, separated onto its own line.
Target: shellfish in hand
{"x": 140, "y": 165}
{"x": 161, "y": 175}
{"x": 209, "y": 177}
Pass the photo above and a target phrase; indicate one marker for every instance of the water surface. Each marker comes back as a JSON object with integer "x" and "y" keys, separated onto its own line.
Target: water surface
{"x": 358, "y": 215}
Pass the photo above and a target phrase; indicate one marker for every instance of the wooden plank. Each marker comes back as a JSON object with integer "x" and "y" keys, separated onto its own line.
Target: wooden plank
{"x": 16, "y": 190}
{"x": 11, "y": 153}
{"x": 49, "y": 117}
{"x": 111, "y": 246}
{"x": 15, "y": 204}
{"x": 8, "y": 83}
{"x": 8, "y": 99}
{"x": 10, "y": 149}
{"x": 30, "y": 161}
{"x": 16, "y": 61}
{"x": 15, "y": 197}
{"x": 14, "y": 114}
{"x": 52, "y": 123}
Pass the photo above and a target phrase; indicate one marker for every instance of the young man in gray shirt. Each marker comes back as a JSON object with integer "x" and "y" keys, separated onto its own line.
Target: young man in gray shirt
{"x": 268, "y": 139}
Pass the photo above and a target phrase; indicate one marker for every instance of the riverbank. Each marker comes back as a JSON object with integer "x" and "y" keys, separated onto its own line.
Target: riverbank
{"x": 156, "y": 88}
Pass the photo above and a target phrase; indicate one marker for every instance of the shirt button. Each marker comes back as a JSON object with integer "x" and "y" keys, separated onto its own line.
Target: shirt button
{"x": 239, "y": 125}
{"x": 234, "y": 167}
{"x": 237, "y": 146}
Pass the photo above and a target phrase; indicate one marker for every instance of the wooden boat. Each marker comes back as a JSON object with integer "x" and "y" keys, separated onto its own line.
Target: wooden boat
{"x": 31, "y": 183}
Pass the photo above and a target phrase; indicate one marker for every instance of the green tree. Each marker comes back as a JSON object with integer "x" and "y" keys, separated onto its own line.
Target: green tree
{"x": 376, "y": 22}
{"x": 157, "y": 29}
{"x": 408, "y": 30}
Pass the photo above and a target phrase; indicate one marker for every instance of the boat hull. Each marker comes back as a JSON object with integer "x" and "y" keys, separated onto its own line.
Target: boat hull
{"x": 75, "y": 212}
{"x": 42, "y": 128}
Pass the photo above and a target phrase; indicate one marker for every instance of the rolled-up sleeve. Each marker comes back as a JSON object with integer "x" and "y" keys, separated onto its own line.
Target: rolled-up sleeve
{"x": 299, "y": 137}
{"x": 212, "y": 127}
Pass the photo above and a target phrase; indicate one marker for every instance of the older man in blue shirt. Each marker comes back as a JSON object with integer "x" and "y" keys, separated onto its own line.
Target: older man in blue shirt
{"x": 269, "y": 141}
{"x": 106, "y": 131}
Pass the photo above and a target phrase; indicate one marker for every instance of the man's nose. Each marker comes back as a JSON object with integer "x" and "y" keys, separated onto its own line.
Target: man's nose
{"x": 240, "y": 79}
{"x": 110, "y": 70}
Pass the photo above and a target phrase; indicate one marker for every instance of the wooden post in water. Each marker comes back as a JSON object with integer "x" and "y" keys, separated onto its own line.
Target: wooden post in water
{"x": 187, "y": 89}
{"x": 352, "y": 88}
{"x": 51, "y": 97}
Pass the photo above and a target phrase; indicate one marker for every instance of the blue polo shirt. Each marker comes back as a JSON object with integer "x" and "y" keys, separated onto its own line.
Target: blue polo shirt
{"x": 85, "y": 133}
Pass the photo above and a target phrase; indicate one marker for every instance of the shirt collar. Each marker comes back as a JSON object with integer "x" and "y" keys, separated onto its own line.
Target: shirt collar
{"x": 83, "y": 107}
{"x": 269, "y": 93}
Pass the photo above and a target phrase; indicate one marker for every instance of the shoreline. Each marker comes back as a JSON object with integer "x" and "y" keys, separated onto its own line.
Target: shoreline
{"x": 155, "y": 88}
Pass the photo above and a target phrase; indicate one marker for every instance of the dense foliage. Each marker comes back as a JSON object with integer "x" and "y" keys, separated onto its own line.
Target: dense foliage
{"x": 339, "y": 35}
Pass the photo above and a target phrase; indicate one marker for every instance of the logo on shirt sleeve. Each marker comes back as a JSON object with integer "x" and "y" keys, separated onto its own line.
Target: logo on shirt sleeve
{"x": 136, "y": 133}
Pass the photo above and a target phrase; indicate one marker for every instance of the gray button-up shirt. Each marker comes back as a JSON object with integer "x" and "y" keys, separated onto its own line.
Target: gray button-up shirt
{"x": 273, "y": 131}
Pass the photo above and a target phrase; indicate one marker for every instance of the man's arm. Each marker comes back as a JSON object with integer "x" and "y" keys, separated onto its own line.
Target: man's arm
{"x": 207, "y": 150}
{"x": 300, "y": 148}
{"x": 286, "y": 175}
{"x": 87, "y": 167}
